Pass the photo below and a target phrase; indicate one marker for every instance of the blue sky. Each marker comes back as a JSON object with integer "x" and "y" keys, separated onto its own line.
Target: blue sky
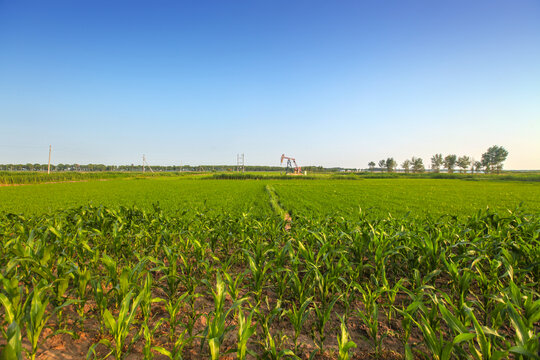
{"x": 333, "y": 83}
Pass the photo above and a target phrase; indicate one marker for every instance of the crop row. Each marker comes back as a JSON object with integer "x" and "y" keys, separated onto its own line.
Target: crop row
{"x": 203, "y": 285}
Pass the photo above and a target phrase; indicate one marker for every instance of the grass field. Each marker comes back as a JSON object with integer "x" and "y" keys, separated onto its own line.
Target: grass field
{"x": 270, "y": 269}
{"x": 376, "y": 197}
{"x": 419, "y": 197}
{"x": 172, "y": 193}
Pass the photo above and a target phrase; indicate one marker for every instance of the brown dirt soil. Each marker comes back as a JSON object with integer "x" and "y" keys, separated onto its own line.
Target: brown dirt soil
{"x": 288, "y": 220}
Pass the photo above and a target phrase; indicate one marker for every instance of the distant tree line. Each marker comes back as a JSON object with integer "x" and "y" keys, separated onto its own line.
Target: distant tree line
{"x": 90, "y": 167}
{"x": 157, "y": 168}
{"x": 491, "y": 162}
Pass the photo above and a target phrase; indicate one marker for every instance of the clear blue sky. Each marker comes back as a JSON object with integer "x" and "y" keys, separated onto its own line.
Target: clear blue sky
{"x": 333, "y": 83}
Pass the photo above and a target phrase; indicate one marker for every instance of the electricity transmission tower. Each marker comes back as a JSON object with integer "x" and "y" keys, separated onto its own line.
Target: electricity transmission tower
{"x": 240, "y": 164}
{"x": 145, "y": 163}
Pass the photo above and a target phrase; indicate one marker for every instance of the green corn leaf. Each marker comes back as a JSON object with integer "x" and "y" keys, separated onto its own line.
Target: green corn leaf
{"x": 520, "y": 350}
{"x": 522, "y": 332}
{"x": 408, "y": 352}
{"x": 13, "y": 348}
{"x": 8, "y": 308}
{"x": 463, "y": 337}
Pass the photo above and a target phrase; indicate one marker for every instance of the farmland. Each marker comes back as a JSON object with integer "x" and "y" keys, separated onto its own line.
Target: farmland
{"x": 96, "y": 270}
{"x": 172, "y": 194}
{"x": 419, "y": 197}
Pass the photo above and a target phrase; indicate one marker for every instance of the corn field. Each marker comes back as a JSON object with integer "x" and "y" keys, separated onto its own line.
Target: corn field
{"x": 130, "y": 283}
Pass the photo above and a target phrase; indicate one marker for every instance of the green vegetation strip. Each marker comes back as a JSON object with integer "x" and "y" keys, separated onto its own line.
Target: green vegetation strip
{"x": 274, "y": 203}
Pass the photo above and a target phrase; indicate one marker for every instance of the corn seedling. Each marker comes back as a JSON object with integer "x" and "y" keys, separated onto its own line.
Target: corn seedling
{"x": 119, "y": 327}
{"x": 370, "y": 318}
{"x": 177, "y": 348}
{"x": 527, "y": 339}
{"x": 344, "y": 342}
{"x": 216, "y": 329}
{"x": 297, "y": 316}
{"x": 322, "y": 316}
{"x": 173, "y": 307}
{"x": 36, "y": 318}
{"x": 245, "y": 331}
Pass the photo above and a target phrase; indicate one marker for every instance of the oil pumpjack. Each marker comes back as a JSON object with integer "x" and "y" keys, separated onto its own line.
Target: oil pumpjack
{"x": 296, "y": 170}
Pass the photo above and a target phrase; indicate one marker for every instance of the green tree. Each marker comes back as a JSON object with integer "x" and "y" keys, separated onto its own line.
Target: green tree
{"x": 493, "y": 158}
{"x": 371, "y": 165}
{"x": 463, "y": 162}
{"x": 391, "y": 164}
{"x": 406, "y": 165}
{"x": 382, "y": 164}
{"x": 477, "y": 166}
{"x": 450, "y": 163}
{"x": 417, "y": 165}
{"x": 436, "y": 162}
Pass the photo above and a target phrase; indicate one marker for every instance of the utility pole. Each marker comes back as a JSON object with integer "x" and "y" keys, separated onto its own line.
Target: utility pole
{"x": 49, "y": 167}
{"x": 143, "y": 161}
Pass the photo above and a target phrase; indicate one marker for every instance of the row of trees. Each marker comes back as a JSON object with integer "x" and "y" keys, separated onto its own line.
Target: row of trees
{"x": 492, "y": 161}
{"x": 91, "y": 167}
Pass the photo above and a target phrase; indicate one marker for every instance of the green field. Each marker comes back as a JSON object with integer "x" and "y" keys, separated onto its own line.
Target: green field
{"x": 172, "y": 193}
{"x": 270, "y": 269}
{"x": 419, "y": 197}
{"x": 327, "y": 197}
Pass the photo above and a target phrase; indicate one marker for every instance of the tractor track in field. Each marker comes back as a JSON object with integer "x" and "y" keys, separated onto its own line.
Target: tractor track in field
{"x": 276, "y": 206}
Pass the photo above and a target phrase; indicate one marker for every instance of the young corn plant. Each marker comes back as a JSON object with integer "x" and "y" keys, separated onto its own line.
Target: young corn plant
{"x": 169, "y": 269}
{"x": 13, "y": 302}
{"x": 101, "y": 299}
{"x": 146, "y": 308}
{"x": 439, "y": 348}
{"x": 173, "y": 307}
{"x": 322, "y": 316}
{"x": 81, "y": 278}
{"x": 485, "y": 339}
{"x": 324, "y": 284}
{"x": 59, "y": 288}
{"x": 302, "y": 287}
{"x": 175, "y": 353}
{"x": 258, "y": 271}
{"x": 273, "y": 345}
{"x": 349, "y": 296}
{"x": 527, "y": 338}
{"x": 344, "y": 342}
{"x": 216, "y": 327}
{"x": 370, "y": 318}
{"x": 280, "y": 278}
{"x": 148, "y": 335}
{"x": 36, "y": 318}
{"x": 119, "y": 328}
{"x": 234, "y": 285}
{"x": 298, "y": 316}
{"x": 245, "y": 331}
{"x": 407, "y": 314}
